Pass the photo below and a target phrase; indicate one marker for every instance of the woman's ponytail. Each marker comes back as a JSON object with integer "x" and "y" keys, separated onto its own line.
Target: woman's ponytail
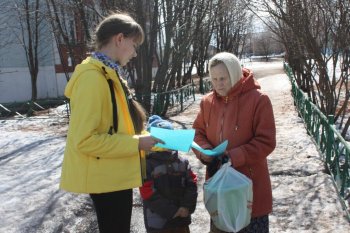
{"x": 137, "y": 112}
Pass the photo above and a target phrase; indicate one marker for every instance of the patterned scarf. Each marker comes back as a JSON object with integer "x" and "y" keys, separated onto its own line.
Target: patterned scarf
{"x": 112, "y": 64}
{"x": 108, "y": 62}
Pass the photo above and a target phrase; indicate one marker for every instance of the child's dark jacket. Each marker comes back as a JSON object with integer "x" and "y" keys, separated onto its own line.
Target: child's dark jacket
{"x": 170, "y": 184}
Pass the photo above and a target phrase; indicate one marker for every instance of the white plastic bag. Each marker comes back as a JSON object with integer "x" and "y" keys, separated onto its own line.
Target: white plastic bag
{"x": 228, "y": 197}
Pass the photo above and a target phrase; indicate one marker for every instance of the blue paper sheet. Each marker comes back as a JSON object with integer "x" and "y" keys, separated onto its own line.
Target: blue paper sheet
{"x": 214, "y": 152}
{"x": 178, "y": 139}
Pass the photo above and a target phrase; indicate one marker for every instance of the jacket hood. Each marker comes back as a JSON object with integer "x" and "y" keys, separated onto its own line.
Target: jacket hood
{"x": 88, "y": 64}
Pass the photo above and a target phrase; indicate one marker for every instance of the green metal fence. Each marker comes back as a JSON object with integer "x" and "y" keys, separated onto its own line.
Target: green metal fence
{"x": 335, "y": 151}
{"x": 175, "y": 99}
{"x": 205, "y": 86}
{"x": 29, "y": 108}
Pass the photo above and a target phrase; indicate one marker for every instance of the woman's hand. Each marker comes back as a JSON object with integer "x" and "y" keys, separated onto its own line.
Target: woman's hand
{"x": 204, "y": 158}
{"x": 146, "y": 142}
{"x": 182, "y": 212}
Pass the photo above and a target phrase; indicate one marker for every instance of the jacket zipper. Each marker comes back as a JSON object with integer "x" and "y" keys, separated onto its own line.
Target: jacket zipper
{"x": 222, "y": 120}
{"x": 251, "y": 172}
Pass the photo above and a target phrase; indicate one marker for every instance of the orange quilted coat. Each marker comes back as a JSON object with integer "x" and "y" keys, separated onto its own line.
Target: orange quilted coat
{"x": 245, "y": 118}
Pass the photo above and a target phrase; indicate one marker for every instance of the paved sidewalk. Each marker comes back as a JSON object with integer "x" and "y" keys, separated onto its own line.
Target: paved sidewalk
{"x": 305, "y": 199}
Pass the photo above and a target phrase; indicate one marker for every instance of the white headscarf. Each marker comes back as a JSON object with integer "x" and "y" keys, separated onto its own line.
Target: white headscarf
{"x": 232, "y": 64}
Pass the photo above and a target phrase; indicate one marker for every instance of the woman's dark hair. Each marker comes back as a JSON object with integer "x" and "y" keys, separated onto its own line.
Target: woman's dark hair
{"x": 112, "y": 25}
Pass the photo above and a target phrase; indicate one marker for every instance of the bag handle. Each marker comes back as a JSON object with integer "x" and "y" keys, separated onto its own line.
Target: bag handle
{"x": 227, "y": 164}
{"x": 114, "y": 105}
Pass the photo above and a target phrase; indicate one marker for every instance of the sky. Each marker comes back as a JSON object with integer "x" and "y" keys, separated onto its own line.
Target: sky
{"x": 31, "y": 153}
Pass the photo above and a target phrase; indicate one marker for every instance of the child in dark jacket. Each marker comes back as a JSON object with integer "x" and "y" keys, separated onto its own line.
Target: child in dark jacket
{"x": 169, "y": 193}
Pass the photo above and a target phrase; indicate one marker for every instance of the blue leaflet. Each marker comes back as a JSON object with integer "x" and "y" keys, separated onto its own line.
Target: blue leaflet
{"x": 220, "y": 149}
{"x": 182, "y": 140}
{"x": 179, "y": 139}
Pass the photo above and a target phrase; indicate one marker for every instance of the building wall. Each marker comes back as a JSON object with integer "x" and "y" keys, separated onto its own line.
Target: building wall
{"x": 15, "y": 84}
{"x": 15, "y": 81}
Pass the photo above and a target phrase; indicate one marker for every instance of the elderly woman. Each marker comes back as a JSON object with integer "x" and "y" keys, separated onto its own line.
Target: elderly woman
{"x": 238, "y": 111}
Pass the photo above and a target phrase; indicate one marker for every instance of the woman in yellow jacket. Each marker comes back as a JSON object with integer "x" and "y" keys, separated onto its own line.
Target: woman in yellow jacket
{"x": 104, "y": 151}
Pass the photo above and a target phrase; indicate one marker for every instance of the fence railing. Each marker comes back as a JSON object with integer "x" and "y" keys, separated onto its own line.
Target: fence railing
{"x": 335, "y": 151}
{"x": 205, "y": 86}
{"x": 40, "y": 107}
{"x": 175, "y": 99}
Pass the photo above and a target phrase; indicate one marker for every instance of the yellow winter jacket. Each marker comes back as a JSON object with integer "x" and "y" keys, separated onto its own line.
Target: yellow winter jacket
{"x": 95, "y": 161}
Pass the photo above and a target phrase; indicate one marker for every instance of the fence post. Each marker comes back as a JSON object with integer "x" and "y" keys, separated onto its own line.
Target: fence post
{"x": 30, "y": 109}
{"x": 201, "y": 85}
{"x": 181, "y": 99}
{"x": 309, "y": 117}
{"x": 67, "y": 103}
{"x": 330, "y": 139}
{"x": 157, "y": 103}
{"x": 193, "y": 92}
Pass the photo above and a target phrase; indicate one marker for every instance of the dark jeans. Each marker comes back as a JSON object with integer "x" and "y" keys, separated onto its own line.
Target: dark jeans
{"x": 256, "y": 225}
{"x": 113, "y": 211}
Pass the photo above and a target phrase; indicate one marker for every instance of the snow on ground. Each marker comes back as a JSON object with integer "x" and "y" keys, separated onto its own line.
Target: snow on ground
{"x": 31, "y": 153}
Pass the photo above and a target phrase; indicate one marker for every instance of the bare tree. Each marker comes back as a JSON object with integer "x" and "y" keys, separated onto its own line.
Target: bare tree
{"x": 182, "y": 41}
{"x": 5, "y": 36}
{"x": 146, "y": 13}
{"x": 266, "y": 44}
{"x": 203, "y": 30}
{"x": 30, "y": 20}
{"x": 263, "y": 44}
{"x": 172, "y": 38}
{"x": 233, "y": 19}
{"x": 316, "y": 36}
{"x": 71, "y": 22}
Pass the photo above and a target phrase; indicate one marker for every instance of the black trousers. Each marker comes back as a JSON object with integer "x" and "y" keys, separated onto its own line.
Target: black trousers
{"x": 113, "y": 211}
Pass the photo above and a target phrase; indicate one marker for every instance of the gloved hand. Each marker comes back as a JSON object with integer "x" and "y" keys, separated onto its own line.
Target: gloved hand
{"x": 216, "y": 163}
{"x": 224, "y": 158}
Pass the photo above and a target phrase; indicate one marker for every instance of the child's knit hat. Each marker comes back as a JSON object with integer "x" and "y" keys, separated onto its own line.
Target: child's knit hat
{"x": 157, "y": 121}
